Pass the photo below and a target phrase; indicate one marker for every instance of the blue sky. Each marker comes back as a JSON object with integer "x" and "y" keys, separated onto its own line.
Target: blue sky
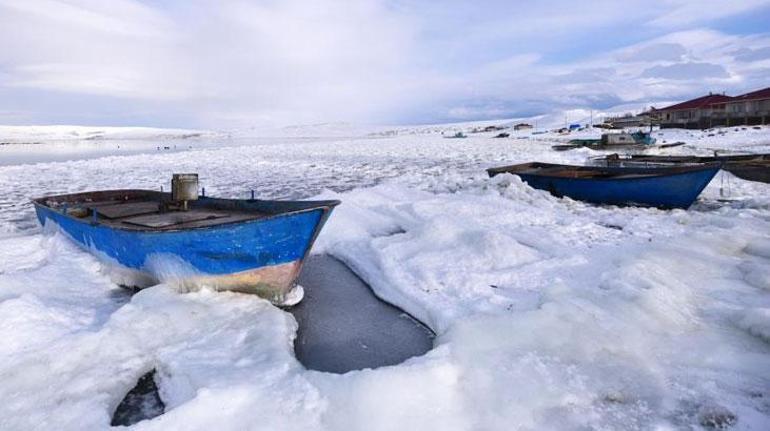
{"x": 254, "y": 63}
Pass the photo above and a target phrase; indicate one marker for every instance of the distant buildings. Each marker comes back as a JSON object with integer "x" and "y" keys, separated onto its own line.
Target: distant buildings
{"x": 492, "y": 128}
{"x": 716, "y": 110}
{"x": 627, "y": 120}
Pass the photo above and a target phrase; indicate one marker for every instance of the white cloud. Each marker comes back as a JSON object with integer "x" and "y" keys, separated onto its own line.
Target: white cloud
{"x": 683, "y": 12}
{"x": 686, "y": 71}
{"x": 654, "y": 52}
{"x": 125, "y": 17}
{"x": 239, "y": 62}
{"x": 306, "y": 60}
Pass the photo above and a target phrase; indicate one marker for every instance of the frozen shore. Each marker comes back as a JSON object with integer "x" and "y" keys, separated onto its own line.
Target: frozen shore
{"x": 549, "y": 313}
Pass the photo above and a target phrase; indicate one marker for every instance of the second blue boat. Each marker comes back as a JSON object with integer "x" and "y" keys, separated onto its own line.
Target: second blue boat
{"x": 662, "y": 187}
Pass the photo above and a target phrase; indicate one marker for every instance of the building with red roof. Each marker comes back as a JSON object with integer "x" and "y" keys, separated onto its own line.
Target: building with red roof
{"x": 717, "y": 110}
{"x": 699, "y": 103}
{"x": 752, "y": 107}
{"x": 693, "y": 113}
{"x": 763, "y": 94}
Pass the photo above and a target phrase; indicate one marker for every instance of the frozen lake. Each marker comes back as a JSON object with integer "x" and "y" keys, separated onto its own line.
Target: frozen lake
{"x": 44, "y": 151}
{"x": 548, "y": 313}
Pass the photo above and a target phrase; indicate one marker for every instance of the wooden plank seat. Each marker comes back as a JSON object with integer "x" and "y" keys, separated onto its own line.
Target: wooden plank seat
{"x": 126, "y": 209}
{"x": 168, "y": 219}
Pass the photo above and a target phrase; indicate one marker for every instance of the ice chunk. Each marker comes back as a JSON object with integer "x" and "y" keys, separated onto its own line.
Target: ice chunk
{"x": 756, "y": 321}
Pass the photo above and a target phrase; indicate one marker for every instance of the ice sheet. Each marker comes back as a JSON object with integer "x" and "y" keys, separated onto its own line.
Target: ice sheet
{"x": 550, "y": 313}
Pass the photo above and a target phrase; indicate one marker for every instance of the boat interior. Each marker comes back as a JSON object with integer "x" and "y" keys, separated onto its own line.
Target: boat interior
{"x": 590, "y": 172}
{"x": 736, "y": 158}
{"x": 156, "y": 211}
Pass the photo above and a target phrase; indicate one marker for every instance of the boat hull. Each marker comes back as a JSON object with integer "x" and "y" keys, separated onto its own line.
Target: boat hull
{"x": 750, "y": 167}
{"x": 677, "y": 190}
{"x": 262, "y": 256}
{"x": 756, "y": 172}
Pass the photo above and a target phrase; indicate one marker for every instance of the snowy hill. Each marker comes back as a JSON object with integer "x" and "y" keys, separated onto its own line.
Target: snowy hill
{"x": 30, "y": 134}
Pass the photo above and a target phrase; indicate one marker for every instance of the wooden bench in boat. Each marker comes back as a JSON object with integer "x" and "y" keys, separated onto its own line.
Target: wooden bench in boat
{"x": 563, "y": 171}
{"x": 144, "y": 214}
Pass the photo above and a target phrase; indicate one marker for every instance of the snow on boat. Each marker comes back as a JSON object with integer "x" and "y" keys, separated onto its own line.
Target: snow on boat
{"x": 250, "y": 245}
{"x": 663, "y": 187}
{"x": 750, "y": 167}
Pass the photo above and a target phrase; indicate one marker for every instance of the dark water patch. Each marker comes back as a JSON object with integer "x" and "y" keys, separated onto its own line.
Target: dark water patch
{"x": 122, "y": 294}
{"x": 343, "y": 326}
{"x": 140, "y": 403}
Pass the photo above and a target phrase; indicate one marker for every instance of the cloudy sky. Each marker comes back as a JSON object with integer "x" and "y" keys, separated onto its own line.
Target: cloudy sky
{"x": 231, "y": 63}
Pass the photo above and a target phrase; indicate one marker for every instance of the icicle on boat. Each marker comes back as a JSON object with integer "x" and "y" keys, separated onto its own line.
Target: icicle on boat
{"x": 663, "y": 187}
{"x": 147, "y": 237}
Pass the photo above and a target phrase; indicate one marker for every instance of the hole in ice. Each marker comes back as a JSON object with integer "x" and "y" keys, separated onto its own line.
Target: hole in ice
{"x": 140, "y": 403}
{"x": 716, "y": 417}
{"x": 343, "y": 326}
{"x": 122, "y": 295}
{"x": 128, "y": 290}
{"x": 610, "y": 226}
{"x": 396, "y": 231}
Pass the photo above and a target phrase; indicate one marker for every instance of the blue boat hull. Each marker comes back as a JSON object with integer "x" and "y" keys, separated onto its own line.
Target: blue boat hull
{"x": 675, "y": 190}
{"x": 262, "y": 256}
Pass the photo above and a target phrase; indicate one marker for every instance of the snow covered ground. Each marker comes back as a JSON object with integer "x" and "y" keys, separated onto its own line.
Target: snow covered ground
{"x": 550, "y": 313}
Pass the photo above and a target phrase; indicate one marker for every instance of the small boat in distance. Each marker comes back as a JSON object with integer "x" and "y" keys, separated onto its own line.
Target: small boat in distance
{"x": 665, "y": 187}
{"x": 147, "y": 237}
{"x": 609, "y": 141}
{"x": 750, "y": 167}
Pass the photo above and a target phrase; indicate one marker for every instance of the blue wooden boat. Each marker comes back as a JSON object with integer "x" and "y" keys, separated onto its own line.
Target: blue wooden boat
{"x": 662, "y": 187}
{"x": 253, "y": 246}
{"x": 750, "y": 167}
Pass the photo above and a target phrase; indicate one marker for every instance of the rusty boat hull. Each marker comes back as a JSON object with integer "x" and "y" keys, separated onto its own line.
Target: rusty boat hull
{"x": 252, "y": 246}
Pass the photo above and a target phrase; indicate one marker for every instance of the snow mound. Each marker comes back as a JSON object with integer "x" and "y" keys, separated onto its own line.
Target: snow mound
{"x": 757, "y": 322}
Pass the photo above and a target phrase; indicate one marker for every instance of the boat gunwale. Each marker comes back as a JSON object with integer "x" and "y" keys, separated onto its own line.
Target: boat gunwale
{"x": 325, "y": 205}
{"x": 653, "y": 172}
{"x": 759, "y": 158}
